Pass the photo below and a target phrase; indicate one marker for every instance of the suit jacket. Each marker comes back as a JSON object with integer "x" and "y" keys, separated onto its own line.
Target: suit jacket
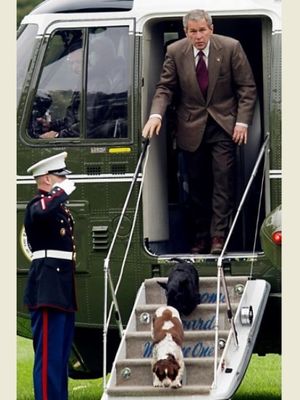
{"x": 231, "y": 92}
{"x": 49, "y": 225}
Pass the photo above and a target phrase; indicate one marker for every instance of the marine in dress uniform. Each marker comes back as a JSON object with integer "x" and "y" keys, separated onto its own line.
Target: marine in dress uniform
{"x": 50, "y": 291}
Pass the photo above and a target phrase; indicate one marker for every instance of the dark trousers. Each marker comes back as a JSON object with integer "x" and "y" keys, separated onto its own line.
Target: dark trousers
{"x": 53, "y": 332}
{"x": 210, "y": 171}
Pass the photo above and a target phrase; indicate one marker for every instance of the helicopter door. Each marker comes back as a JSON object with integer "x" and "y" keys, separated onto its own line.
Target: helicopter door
{"x": 166, "y": 230}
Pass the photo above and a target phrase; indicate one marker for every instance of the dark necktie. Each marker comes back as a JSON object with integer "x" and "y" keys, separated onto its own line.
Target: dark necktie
{"x": 202, "y": 74}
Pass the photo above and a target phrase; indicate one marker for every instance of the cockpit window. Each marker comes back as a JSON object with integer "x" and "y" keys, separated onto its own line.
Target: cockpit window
{"x": 83, "y": 88}
{"x": 24, "y": 54}
{"x": 56, "y": 107}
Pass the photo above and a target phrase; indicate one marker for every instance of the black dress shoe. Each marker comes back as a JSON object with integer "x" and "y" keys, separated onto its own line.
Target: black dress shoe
{"x": 200, "y": 247}
{"x": 217, "y": 244}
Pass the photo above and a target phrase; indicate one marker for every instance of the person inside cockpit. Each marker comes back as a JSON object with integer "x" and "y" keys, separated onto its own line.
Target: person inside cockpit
{"x": 61, "y": 90}
{"x": 106, "y": 91}
{"x": 69, "y": 125}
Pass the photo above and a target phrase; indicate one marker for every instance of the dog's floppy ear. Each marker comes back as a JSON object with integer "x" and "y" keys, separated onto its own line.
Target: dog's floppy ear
{"x": 154, "y": 367}
{"x": 163, "y": 285}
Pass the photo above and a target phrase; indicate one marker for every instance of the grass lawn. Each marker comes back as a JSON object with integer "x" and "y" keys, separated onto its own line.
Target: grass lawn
{"x": 262, "y": 380}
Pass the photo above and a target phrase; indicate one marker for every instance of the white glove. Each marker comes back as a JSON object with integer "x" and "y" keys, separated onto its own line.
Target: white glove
{"x": 67, "y": 185}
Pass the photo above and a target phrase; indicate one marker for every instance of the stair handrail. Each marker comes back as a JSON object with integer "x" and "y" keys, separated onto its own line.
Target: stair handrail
{"x": 131, "y": 232}
{"x": 107, "y": 274}
{"x": 220, "y": 269}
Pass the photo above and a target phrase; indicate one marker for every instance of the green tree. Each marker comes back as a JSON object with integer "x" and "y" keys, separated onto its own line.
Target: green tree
{"x": 24, "y": 7}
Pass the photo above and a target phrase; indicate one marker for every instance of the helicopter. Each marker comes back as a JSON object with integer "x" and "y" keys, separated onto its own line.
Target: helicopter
{"x": 106, "y": 153}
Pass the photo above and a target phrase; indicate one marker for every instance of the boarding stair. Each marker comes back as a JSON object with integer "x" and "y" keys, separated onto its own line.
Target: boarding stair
{"x": 219, "y": 335}
{"x": 131, "y": 375}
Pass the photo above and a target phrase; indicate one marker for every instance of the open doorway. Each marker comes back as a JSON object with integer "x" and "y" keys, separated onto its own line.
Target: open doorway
{"x": 164, "y": 199}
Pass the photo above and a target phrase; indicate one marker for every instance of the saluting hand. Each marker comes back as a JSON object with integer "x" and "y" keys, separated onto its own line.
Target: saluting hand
{"x": 67, "y": 185}
{"x": 152, "y": 126}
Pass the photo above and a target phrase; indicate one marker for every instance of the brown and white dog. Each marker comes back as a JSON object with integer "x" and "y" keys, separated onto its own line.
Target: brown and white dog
{"x": 167, "y": 335}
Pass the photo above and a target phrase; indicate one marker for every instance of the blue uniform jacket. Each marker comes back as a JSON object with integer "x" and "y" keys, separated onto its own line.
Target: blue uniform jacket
{"x": 49, "y": 225}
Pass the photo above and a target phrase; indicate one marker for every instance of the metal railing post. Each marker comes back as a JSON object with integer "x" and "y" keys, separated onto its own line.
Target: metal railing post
{"x": 220, "y": 274}
{"x": 107, "y": 276}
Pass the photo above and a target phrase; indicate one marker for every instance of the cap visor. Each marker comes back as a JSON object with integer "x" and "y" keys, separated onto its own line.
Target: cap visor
{"x": 61, "y": 172}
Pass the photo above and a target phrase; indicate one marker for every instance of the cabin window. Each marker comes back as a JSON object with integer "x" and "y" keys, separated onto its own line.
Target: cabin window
{"x": 83, "y": 88}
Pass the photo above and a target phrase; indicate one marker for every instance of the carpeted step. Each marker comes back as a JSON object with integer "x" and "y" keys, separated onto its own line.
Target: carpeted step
{"x": 132, "y": 376}
{"x": 202, "y": 318}
{"x": 138, "y": 372}
{"x": 147, "y": 391}
{"x": 155, "y": 294}
{"x": 196, "y": 344}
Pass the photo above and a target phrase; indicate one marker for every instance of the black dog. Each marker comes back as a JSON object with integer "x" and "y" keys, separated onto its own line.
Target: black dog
{"x": 182, "y": 288}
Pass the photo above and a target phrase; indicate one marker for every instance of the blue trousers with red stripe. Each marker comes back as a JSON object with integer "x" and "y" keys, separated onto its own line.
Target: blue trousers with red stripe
{"x": 53, "y": 332}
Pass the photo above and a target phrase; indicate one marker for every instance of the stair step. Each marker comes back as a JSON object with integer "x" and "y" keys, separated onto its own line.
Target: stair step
{"x": 196, "y": 344}
{"x": 132, "y": 375}
{"x": 202, "y": 318}
{"x": 138, "y": 372}
{"x": 145, "y": 391}
{"x": 207, "y": 287}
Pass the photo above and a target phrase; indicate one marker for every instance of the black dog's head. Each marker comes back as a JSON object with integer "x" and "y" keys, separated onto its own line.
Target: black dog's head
{"x": 182, "y": 288}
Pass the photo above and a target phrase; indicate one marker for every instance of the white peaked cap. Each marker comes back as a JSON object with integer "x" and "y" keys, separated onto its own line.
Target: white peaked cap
{"x": 52, "y": 165}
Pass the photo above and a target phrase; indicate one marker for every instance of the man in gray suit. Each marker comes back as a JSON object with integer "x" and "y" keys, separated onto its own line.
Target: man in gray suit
{"x": 216, "y": 95}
